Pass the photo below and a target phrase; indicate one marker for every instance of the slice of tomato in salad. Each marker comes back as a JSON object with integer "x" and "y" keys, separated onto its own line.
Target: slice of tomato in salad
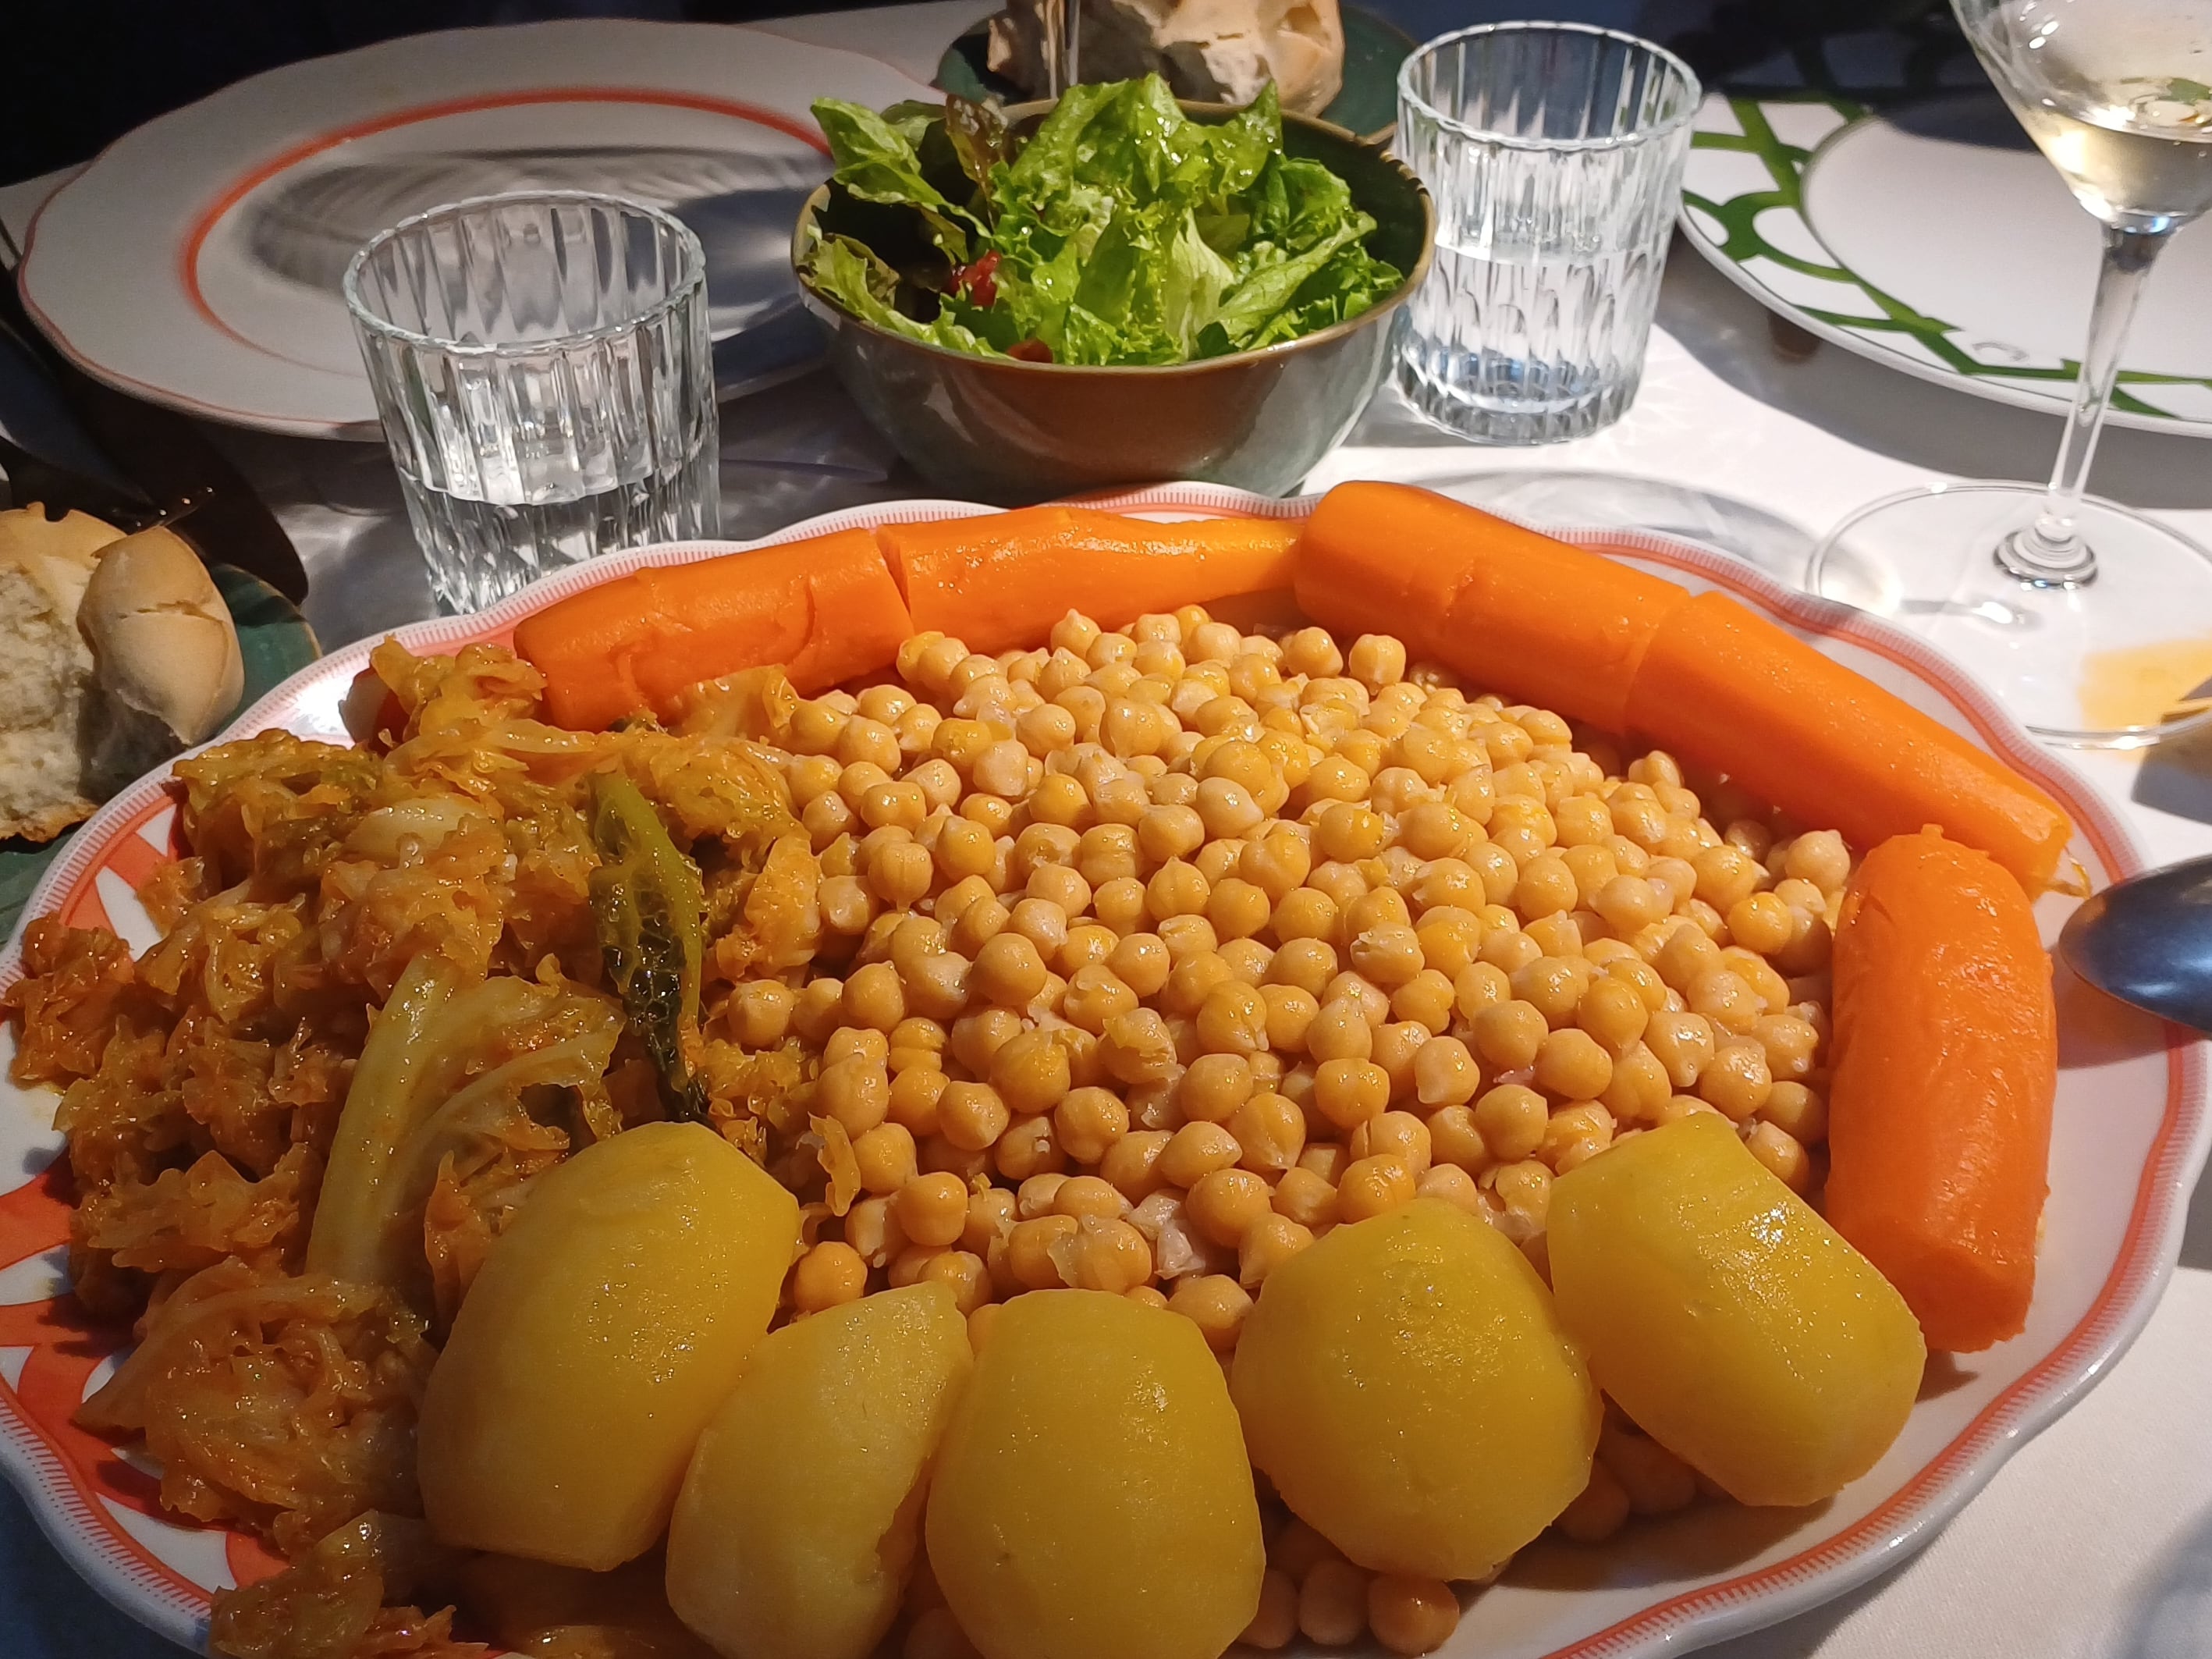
{"x": 979, "y": 282}
{"x": 1031, "y": 351}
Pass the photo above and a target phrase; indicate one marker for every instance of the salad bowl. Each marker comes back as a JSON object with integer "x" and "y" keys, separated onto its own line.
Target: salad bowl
{"x": 1013, "y": 432}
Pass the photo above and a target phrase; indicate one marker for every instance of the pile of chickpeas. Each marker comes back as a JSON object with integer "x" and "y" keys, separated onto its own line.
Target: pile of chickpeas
{"x": 1148, "y": 956}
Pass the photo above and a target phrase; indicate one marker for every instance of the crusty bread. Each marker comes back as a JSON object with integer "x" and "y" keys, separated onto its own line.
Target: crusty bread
{"x": 49, "y": 709}
{"x": 163, "y": 640}
{"x": 120, "y": 651}
{"x": 1211, "y": 50}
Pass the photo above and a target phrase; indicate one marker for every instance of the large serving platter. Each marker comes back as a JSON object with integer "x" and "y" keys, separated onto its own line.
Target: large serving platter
{"x": 2131, "y": 1135}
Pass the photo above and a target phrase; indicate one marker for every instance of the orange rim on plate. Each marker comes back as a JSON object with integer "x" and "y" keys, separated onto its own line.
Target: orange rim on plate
{"x": 101, "y": 1510}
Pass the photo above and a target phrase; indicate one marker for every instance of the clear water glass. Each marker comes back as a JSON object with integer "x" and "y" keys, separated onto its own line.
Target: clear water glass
{"x": 542, "y": 369}
{"x": 1554, "y": 153}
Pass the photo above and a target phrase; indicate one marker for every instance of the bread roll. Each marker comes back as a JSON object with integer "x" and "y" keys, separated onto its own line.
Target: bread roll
{"x": 47, "y": 700}
{"x": 163, "y": 640}
{"x": 1209, "y": 51}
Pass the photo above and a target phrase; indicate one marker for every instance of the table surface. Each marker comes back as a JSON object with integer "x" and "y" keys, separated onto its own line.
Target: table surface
{"x": 2095, "y": 1540}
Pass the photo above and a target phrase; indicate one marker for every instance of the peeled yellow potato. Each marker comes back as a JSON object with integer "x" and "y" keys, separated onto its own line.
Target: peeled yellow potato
{"x": 1407, "y": 1385}
{"x": 1091, "y": 1499}
{"x": 797, "y": 1521}
{"x": 607, "y": 1325}
{"x": 1734, "y": 1324}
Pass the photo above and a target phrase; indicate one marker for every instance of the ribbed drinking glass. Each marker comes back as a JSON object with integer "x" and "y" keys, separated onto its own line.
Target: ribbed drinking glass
{"x": 542, "y": 369}
{"x": 1554, "y": 153}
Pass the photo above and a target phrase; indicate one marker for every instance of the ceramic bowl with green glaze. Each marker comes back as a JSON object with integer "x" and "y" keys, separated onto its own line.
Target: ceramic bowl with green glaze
{"x": 1011, "y": 432}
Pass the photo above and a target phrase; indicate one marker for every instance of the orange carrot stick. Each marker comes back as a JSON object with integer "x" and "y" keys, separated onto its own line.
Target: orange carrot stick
{"x": 1946, "y": 1058}
{"x": 1518, "y": 613}
{"x": 1002, "y": 580}
{"x": 1729, "y": 691}
{"x": 825, "y": 609}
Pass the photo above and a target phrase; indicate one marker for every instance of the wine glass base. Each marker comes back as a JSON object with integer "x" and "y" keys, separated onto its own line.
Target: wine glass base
{"x": 2118, "y": 661}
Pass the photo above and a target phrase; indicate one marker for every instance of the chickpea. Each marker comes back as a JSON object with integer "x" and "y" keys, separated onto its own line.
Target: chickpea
{"x": 1575, "y": 1135}
{"x": 1214, "y": 1086}
{"x": 829, "y": 1275}
{"x": 1820, "y": 857}
{"x": 1393, "y": 1134}
{"x": 1507, "y": 1036}
{"x": 759, "y": 1012}
{"x": 1525, "y": 1190}
{"x": 972, "y": 1117}
{"x": 1216, "y": 1303}
{"x": 1736, "y": 1081}
{"x": 1726, "y": 999}
{"x": 1411, "y": 1615}
{"x": 1131, "y": 1162}
{"x": 1571, "y": 1065}
{"x": 1781, "y": 1151}
{"x": 1511, "y": 1119}
{"x": 1349, "y": 1091}
{"x": 1270, "y": 1241}
{"x": 1225, "y": 1204}
{"x": 1333, "y": 1603}
{"x": 1339, "y": 1032}
{"x": 1374, "y": 1186}
{"x": 1195, "y": 1151}
{"x": 1798, "y": 1111}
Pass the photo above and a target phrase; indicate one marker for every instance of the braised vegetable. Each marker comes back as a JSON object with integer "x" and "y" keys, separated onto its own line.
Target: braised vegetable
{"x": 1947, "y": 1060}
{"x": 1733, "y": 1325}
{"x": 1406, "y": 1384}
{"x": 1000, "y": 581}
{"x": 610, "y": 1322}
{"x": 1091, "y": 1499}
{"x": 1535, "y": 619}
{"x": 824, "y": 609}
{"x": 650, "y": 906}
{"x": 443, "y": 1064}
{"x": 1539, "y": 621}
{"x": 1729, "y": 692}
{"x": 799, "y": 1523}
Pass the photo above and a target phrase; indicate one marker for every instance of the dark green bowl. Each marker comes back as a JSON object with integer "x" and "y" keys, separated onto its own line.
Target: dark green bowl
{"x": 1013, "y": 432}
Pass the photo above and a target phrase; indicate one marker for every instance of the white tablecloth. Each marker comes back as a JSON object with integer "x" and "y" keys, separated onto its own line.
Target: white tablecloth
{"x": 2095, "y": 1542}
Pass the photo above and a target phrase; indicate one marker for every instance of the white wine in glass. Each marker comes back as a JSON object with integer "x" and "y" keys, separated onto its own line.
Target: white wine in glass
{"x": 2051, "y": 597}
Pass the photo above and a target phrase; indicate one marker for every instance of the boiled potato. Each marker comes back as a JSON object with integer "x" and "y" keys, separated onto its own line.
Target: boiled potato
{"x": 1091, "y": 1499}
{"x": 1407, "y": 1385}
{"x": 797, "y": 1523}
{"x": 1728, "y": 1319}
{"x": 607, "y": 1324}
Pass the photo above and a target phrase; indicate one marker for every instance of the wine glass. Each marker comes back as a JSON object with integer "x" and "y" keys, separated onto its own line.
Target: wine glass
{"x": 2092, "y": 622}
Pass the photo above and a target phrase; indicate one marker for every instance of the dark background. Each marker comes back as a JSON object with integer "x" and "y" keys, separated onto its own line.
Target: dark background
{"x": 78, "y": 73}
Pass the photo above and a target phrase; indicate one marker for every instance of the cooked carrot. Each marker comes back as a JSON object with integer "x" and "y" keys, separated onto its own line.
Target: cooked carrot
{"x": 1945, "y": 1053}
{"x": 1518, "y": 613}
{"x": 1001, "y": 580}
{"x": 825, "y": 609}
{"x": 1730, "y": 692}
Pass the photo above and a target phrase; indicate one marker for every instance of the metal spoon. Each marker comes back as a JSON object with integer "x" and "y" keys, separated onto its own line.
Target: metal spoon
{"x": 2147, "y": 940}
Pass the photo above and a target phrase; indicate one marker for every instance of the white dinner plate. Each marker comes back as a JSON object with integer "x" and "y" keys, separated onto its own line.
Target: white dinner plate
{"x": 196, "y": 262}
{"x": 2129, "y": 1137}
{"x": 1895, "y": 208}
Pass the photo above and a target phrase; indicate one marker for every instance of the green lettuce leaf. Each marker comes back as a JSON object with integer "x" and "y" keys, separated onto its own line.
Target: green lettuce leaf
{"x": 1122, "y": 232}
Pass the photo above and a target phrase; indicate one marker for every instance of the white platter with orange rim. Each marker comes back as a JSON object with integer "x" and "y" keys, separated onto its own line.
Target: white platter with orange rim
{"x": 2131, "y": 1128}
{"x": 195, "y": 261}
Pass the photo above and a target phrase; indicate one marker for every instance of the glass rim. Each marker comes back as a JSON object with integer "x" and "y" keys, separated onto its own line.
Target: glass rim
{"x": 1468, "y": 130}
{"x": 693, "y": 280}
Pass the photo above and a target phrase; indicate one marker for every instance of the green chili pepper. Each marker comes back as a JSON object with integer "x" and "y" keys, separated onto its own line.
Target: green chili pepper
{"x": 650, "y": 907}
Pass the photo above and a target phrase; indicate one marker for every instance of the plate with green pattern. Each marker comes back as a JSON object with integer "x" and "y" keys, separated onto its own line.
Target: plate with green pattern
{"x": 1874, "y": 190}
{"x": 1367, "y": 104}
{"x": 274, "y": 642}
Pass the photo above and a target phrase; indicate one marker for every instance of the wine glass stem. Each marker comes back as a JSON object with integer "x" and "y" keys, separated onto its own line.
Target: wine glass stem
{"x": 2051, "y": 552}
